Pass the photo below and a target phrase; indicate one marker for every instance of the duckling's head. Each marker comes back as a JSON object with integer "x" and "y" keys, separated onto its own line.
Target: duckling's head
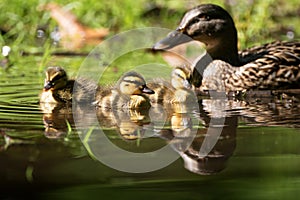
{"x": 209, "y": 24}
{"x": 181, "y": 78}
{"x": 56, "y": 78}
{"x": 132, "y": 83}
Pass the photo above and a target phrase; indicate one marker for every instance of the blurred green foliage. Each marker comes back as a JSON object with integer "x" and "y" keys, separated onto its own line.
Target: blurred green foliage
{"x": 254, "y": 18}
{"x": 257, "y": 22}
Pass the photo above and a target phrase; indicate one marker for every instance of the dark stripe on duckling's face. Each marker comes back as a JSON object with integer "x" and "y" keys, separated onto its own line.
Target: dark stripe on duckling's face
{"x": 133, "y": 83}
{"x": 135, "y": 87}
{"x": 56, "y": 78}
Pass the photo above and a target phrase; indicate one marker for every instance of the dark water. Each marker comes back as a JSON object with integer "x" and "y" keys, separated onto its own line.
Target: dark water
{"x": 229, "y": 149}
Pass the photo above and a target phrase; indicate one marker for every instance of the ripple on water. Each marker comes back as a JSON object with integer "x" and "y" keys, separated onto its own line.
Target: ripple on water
{"x": 19, "y": 107}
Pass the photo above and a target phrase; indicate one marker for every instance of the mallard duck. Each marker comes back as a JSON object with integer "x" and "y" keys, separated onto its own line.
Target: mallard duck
{"x": 129, "y": 92}
{"x": 270, "y": 66}
{"x": 59, "y": 89}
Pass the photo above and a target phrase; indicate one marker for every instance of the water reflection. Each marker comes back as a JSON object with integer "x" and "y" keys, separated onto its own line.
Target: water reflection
{"x": 57, "y": 121}
{"x": 212, "y": 146}
{"x": 130, "y": 123}
{"x": 212, "y": 127}
{"x": 215, "y": 160}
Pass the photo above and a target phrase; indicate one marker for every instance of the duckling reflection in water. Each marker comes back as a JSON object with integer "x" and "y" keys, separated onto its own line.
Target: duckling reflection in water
{"x": 181, "y": 125}
{"x": 209, "y": 151}
{"x": 56, "y": 122}
{"x": 129, "y": 130}
{"x": 59, "y": 89}
{"x": 129, "y": 93}
{"x": 130, "y": 122}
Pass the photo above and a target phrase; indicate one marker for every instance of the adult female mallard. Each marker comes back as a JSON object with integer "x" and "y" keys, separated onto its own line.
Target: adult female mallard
{"x": 270, "y": 66}
{"x": 129, "y": 93}
{"x": 59, "y": 89}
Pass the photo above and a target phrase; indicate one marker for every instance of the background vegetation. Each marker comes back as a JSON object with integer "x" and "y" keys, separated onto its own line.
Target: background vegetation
{"x": 257, "y": 22}
{"x": 265, "y": 162}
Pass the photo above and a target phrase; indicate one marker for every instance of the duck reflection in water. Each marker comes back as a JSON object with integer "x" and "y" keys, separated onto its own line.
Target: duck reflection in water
{"x": 210, "y": 148}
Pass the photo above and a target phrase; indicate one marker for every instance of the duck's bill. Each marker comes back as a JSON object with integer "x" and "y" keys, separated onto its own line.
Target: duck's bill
{"x": 48, "y": 85}
{"x": 187, "y": 84}
{"x": 147, "y": 90}
{"x": 173, "y": 39}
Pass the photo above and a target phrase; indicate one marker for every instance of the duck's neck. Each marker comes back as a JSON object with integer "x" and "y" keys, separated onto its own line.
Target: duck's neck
{"x": 229, "y": 55}
{"x": 224, "y": 47}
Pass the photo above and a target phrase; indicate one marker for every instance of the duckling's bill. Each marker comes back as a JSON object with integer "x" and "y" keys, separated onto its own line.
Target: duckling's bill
{"x": 147, "y": 90}
{"x": 48, "y": 85}
{"x": 187, "y": 84}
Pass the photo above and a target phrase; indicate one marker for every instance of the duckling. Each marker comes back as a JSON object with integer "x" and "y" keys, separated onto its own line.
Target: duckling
{"x": 129, "y": 93}
{"x": 163, "y": 92}
{"x": 270, "y": 66}
{"x": 183, "y": 89}
{"x": 59, "y": 89}
{"x": 177, "y": 91}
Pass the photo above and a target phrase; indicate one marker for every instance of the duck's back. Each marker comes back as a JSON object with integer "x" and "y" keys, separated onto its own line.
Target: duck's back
{"x": 284, "y": 53}
{"x": 272, "y": 66}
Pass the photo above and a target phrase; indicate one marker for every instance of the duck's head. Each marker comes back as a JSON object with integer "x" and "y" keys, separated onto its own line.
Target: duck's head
{"x": 209, "y": 24}
{"x": 180, "y": 78}
{"x": 56, "y": 78}
{"x": 132, "y": 83}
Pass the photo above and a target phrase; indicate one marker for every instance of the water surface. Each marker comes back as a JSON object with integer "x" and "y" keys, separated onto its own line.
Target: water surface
{"x": 47, "y": 155}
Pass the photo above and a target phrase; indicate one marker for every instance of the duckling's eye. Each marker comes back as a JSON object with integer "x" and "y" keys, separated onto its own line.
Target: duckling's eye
{"x": 179, "y": 75}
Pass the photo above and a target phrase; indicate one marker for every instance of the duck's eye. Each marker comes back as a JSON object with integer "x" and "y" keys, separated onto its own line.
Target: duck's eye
{"x": 195, "y": 20}
{"x": 200, "y": 18}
